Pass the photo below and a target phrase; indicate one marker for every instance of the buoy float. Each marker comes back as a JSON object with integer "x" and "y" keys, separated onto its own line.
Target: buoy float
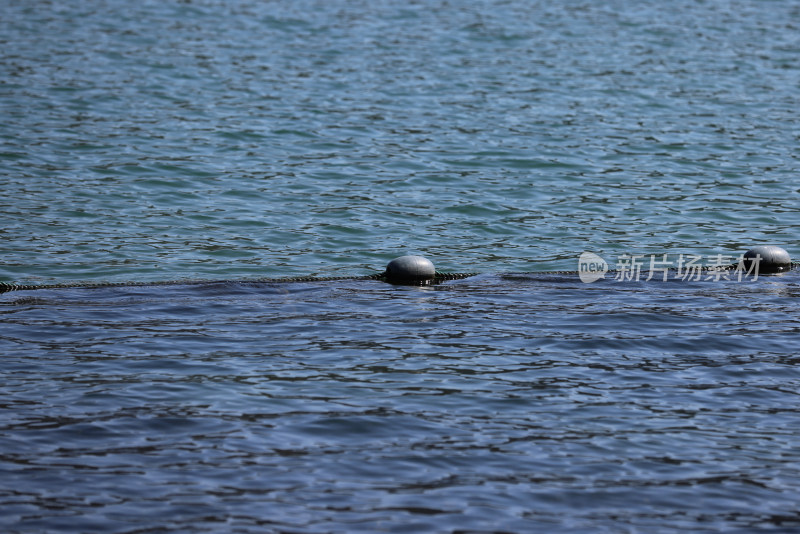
{"x": 410, "y": 269}
{"x": 771, "y": 259}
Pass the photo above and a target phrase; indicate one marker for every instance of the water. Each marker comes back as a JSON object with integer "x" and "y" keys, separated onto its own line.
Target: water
{"x": 155, "y": 141}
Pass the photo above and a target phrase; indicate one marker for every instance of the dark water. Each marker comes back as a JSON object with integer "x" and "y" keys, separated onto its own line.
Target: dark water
{"x": 490, "y": 404}
{"x": 164, "y": 140}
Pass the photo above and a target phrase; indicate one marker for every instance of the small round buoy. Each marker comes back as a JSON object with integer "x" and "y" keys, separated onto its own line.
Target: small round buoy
{"x": 771, "y": 259}
{"x": 413, "y": 269}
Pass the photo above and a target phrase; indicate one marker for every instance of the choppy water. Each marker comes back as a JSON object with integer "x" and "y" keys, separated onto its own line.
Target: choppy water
{"x": 229, "y": 140}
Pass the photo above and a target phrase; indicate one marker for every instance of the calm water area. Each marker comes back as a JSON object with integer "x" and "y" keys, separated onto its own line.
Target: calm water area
{"x": 235, "y": 140}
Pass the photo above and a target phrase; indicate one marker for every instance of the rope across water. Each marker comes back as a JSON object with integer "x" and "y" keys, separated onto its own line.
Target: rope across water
{"x": 416, "y": 270}
{"x": 439, "y": 277}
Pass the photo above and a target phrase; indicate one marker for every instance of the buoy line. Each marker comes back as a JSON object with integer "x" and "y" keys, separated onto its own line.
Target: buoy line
{"x": 418, "y": 270}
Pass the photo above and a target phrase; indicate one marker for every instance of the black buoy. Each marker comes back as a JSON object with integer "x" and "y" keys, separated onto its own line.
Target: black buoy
{"x": 771, "y": 259}
{"x": 410, "y": 270}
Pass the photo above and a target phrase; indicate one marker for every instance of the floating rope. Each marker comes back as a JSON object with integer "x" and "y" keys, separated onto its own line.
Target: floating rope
{"x": 438, "y": 278}
{"x": 413, "y": 270}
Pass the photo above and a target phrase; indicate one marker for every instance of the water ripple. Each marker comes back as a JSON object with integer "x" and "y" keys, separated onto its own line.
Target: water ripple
{"x": 161, "y": 140}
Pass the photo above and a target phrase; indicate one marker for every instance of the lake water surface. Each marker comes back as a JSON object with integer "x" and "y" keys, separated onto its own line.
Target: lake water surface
{"x": 173, "y": 140}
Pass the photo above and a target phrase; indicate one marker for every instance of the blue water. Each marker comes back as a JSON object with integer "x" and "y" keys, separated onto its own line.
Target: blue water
{"x": 172, "y": 140}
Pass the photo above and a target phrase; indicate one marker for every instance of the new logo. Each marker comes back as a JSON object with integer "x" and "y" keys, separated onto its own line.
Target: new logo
{"x": 591, "y": 267}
